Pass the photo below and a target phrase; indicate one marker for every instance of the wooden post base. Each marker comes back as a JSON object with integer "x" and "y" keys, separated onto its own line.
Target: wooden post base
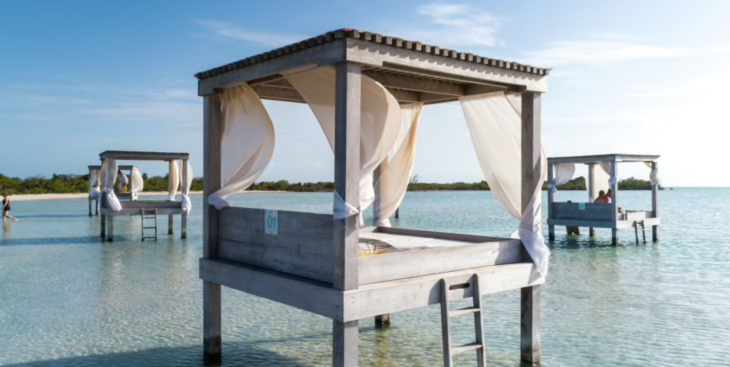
{"x": 592, "y": 232}
{"x": 169, "y": 224}
{"x": 382, "y": 321}
{"x": 551, "y": 233}
{"x": 655, "y": 233}
{"x": 530, "y": 326}
{"x": 211, "y": 323}
{"x": 614, "y": 236}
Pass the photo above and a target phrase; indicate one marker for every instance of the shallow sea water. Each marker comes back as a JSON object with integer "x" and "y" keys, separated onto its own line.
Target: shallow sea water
{"x": 68, "y": 299}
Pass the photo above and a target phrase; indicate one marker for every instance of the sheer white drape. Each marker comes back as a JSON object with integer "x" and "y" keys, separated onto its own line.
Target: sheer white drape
{"x": 494, "y": 121}
{"x": 247, "y": 145}
{"x": 601, "y": 179}
{"x": 173, "y": 180}
{"x": 563, "y": 173}
{"x": 654, "y": 175}
{"x": 136, "y": 183}
{"x": 396, "y": 173}
{"x": 379, "y": 125}
{"x": 94, "y": 184}
{"x": 108, "y": 177}
{"x": 185, "y": 200}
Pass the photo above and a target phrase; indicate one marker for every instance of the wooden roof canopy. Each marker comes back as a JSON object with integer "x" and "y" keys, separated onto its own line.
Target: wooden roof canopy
{"x": 614, "y": 157}
{"x": 142, "y": 156}
{"x": 412, "y": 71}
{"x": 120, "y": 166}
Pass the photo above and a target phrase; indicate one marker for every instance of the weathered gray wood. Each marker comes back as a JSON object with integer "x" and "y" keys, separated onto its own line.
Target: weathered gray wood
{"x": 551, "y": 199}
{"x": 103, "y": 226}
{"x": 385, "y": 56}
{"x": 406, "y": 294}
{"x": 604, "y": 158}
{"x": 591, "y": 192}
{"x": 184, "y": 216}
{"x": 137, "y": 211}
{"x": 212, "y": 137}
{"x": 654, "y": 205}
{"x": 150, "y": 204}
{"x": 479, "y": 323}
{"x": 531, "y": 162}
{"x": 278, "y": 94}
{"x": 169, "y": 224}
{"x": 433, "y": 234}
{"x": 347, "y": 177}
{"x": 416, "y": 85}
{"x": 381, "y": 321}
{"x": 530, "y": 322}
{"x": 308, "y": 295}
{"x": 390, "y": 266}
{"x": 614, "y": 200}
{"x": 589, "y": 212}
{"x": 302, "y": 247}
{"x": 90, "y": 206}
{"x": 142, "y": 156}
{"x": 445, "y": 325}
{"x": 110, "y": 234}
{"x": 325, "y": 54}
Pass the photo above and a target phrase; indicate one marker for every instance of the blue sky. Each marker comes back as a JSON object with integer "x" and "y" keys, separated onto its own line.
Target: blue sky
{"x": 80, "y": 77}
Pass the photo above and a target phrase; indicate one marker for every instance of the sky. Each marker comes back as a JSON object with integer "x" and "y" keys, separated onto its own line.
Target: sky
{"x": 645, "y": 77}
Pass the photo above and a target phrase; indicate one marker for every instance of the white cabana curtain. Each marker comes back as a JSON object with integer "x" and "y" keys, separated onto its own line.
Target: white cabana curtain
{"x": 136, "y": 183}
{"x": 173, "y": 180}
{"x": 185, "y": 200}
{"x": 396, "y": 173}
{"x": 601, "y": 179}
{"x": 563, "y": 174}
{"x": 379, "y": 125}
{"x": 494, "y": 121}
{"x": 108, "y": 177}
{"x": 94, "y": 184}
{"x": 654, "y": 175}
{"x": 247, "y": 145}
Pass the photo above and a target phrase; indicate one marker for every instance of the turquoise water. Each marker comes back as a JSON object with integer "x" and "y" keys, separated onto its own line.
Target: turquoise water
{"x": 67, "y": 299}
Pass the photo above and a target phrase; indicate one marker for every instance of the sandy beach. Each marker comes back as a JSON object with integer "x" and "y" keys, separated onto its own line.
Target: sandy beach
{"x": 38, "y": 197}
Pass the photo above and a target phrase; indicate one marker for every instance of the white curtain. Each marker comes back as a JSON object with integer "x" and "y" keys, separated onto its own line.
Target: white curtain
{"x": 379, "y": 125}
{"x": 94, "y": 184}
{"x": 247, "y": 145}
{"x": 563, "y": 174}
{"x": 136, "y": 183}
{"x": 123, "y": 180}
{"x": 185, "y": 200}
{"x": 396, "y": 173}
{"x": 173, "y": 180}
{"x": 495, "y": 124}
{"x": 654, "y": 175}
{"x": 108, "y": 177}
{"x": 601, "y": 179}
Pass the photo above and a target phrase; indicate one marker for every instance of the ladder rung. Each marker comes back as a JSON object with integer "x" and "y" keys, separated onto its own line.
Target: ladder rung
{"x": 464, "y": 311}
{"x": 465, "y": 348}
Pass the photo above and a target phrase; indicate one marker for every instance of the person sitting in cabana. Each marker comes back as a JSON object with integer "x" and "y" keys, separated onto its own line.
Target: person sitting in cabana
{"x": 603, "y": 198}
{"x": 123, "y": 182}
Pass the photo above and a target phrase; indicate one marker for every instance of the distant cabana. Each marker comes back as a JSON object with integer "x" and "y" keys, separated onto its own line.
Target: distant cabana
{"x": 367, "y": 92}
{"x": 135, "y": 185}
{"x": 602, "y": 176}
{"x": 111, "y": 207}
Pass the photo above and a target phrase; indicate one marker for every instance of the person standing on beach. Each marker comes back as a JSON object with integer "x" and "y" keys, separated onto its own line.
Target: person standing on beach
{"x": 6, "y": 208}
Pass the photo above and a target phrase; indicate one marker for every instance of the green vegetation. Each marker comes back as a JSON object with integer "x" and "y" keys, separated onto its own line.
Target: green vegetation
{"x": 63, "y": 184}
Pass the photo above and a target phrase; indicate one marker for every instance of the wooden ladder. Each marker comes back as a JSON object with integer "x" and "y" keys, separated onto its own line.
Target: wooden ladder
{"x": 149, "y": 215}
{"x": 446, "y": 315}
{"x": 636, "y": 230}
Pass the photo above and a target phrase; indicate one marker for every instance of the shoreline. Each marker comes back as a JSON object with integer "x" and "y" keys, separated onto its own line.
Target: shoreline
{"x": 44, "y": 197}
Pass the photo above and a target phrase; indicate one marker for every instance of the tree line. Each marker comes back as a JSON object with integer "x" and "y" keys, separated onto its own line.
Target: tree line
{"x": 66, "y": 184}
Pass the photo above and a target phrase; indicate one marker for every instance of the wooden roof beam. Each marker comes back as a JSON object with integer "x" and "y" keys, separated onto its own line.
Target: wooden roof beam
{"x": 278, "y": 94}
{"x": 415, "y": 84}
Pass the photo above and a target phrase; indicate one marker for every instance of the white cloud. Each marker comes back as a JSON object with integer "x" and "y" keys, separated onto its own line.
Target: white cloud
{"x": 232, "y": 31}
{"x": 599, "y": 51}
{"x": 454, "y": 25}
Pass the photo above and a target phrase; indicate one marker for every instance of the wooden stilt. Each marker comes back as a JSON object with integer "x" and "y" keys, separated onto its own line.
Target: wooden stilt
{"x": 382, "y": 321}
{"x": 170, "y": 218}
{"x": 90, "y": 207}
{"x": 614, "y": 236}
{"x": 110, "y": 237}
{"x": 531, "y": 161}
{"x": 213, "y": 133}
{"x": 654, "y": 206}
{"x": 530, "y": 326}
{"x": 551, "y": 233}
{"x": 592, "y": 232}
{"x": 184, "y": 226}
{"x": 347, "y": 176}
{"x": 103, "y": 226}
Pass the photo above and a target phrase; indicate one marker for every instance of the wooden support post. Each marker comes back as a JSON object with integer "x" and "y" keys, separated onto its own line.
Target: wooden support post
{"x": 381, "y": 321}
{"x": 551, "y": 198}
{"x": 591, "y": 192}
{"x": 654, "y": 205}
{"x": 110, "y": 235}
{"x": 347, "y": 186}
{"x": 184, "y": 216}
{"x": 531, "y": 166}
{"x": 614, "y": 200}
{"x": 170, "y": 218}
{"x": 103, "y": 226}
{"x": 90, "y": 200}
{"x": 212, "y": 136}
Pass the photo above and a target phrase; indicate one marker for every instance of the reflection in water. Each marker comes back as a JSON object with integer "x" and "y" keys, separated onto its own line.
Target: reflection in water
{"x": 73, "y": 300}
